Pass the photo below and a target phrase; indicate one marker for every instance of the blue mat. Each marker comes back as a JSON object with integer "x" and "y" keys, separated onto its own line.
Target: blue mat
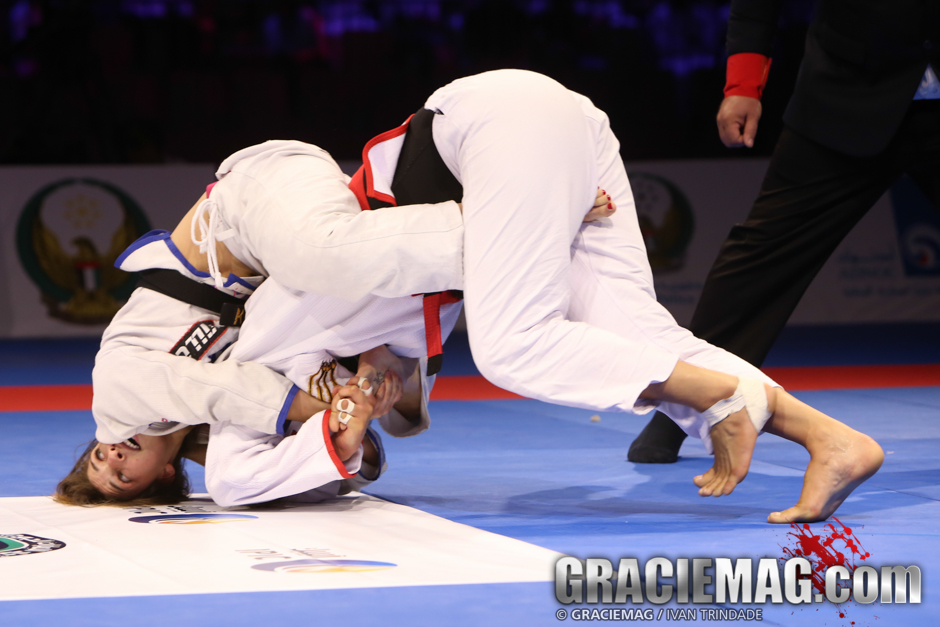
{"x": 550, "y": 476}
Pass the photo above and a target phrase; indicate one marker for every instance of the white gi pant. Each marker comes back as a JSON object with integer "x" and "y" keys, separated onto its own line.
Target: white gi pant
{"x": 558, "y": 310}
{"x": 292, "y": 216}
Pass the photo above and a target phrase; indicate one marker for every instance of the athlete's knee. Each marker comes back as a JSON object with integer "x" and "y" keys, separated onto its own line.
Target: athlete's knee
{"x": 498, "y": 360}
{"x": 494, "y": 368}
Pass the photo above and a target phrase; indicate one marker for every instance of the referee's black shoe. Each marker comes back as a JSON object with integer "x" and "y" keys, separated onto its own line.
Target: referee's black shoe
{"x": 658, "y": 443}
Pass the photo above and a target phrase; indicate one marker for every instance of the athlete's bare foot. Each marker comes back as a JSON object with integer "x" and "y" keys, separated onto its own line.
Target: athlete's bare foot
{"x": 841, "y": 459}
{"x": 733, "y": 440}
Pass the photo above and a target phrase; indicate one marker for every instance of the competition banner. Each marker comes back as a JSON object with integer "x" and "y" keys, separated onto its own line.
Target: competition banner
{"x": 63, "y": 228}
{"x": 50, "y": 551}
{"x": 886, "y": 270}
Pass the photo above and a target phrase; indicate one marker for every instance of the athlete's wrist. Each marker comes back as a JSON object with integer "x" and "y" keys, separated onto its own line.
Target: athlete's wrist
{"x": 305, "y": 406}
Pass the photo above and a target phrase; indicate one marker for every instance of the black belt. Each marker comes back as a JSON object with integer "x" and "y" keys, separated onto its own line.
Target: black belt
{"x": 422, "y": 177}
{"x": 230, "y": 309}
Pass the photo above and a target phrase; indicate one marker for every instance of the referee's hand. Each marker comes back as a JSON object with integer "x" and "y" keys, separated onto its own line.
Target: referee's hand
{"x": 737, "y": 121}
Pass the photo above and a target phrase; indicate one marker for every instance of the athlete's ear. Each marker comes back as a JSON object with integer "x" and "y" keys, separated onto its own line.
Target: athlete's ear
{"x": 169, "y": 472}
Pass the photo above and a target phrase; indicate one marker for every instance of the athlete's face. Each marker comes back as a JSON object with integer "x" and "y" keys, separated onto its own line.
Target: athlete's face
{"x": 124, "y": 470}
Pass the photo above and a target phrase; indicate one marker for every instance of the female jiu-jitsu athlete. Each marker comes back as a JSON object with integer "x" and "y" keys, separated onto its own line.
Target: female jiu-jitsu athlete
{"x": 282, "y": 207}
{"x": 566, "y": 312}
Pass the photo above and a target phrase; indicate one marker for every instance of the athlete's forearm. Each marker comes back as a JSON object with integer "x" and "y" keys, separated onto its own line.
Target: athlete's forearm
{"x": 409, "y": 406}
{"x": 304, "y": 406}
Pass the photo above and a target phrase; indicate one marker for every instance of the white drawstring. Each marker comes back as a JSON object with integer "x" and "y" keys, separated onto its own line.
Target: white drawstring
{"x": 210, "y": 237}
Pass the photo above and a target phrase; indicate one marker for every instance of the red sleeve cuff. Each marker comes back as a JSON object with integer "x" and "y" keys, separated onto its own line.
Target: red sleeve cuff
{"x": 747, "y": 74}
{"x": 340, "y": 466}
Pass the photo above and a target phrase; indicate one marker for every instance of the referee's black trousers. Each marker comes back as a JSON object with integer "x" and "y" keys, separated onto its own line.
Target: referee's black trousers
{"x": 810, "y": 199}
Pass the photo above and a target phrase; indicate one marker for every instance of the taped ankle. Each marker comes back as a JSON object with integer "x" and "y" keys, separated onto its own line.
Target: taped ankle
{"x": 750, "y": 395}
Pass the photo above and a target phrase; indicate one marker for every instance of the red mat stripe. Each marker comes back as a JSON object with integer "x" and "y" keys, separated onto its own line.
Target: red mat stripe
{"x": 476, "y": 388}
{"x": 797, "y": 379}
{"x": 45, "y": 397}
{"x": 468, "y": 388}
{"x": 807, "y": 378}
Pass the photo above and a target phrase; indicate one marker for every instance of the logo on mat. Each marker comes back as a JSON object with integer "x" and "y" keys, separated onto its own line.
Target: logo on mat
{"x": 191, "y": 519}
{"x": 666, "y": 219}
{"x": 317, "y": 566}
{"x": 68, "y": 237}
{"x": 14, "y": 544}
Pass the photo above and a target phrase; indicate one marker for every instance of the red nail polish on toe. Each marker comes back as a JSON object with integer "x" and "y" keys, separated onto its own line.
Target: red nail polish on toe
{"x": 610, "y": 206}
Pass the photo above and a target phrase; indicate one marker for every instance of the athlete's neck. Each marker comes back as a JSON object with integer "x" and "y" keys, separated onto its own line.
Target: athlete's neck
{"x": 228, "y": 263}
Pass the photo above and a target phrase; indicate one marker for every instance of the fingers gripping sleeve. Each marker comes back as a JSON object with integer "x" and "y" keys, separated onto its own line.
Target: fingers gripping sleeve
{"x": 396, "y": 425}
{"x": 135, "y": 387}
{"x": 244, "y": 466}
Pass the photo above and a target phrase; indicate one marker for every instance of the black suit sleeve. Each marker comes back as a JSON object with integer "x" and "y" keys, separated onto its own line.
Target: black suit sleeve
{"x": 751, "y": 26}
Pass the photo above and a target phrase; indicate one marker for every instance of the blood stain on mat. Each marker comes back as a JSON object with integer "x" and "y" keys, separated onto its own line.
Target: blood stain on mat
{"x": 837, "y": 545}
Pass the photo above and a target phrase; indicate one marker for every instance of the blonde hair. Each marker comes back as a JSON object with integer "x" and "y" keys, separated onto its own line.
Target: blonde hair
{"x": 77, "y": 489}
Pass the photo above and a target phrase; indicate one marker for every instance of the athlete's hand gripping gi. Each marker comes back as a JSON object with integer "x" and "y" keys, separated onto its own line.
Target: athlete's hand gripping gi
{"x": 351, "y": 414}
{"x": 334, "y": 452}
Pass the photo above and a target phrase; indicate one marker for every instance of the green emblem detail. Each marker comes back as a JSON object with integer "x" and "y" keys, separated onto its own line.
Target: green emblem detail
{"x": 77, "y": 277}
{"x": 16, "y": 544}
{"x": 8, "y": 544}
{"x": 666, "y": 220}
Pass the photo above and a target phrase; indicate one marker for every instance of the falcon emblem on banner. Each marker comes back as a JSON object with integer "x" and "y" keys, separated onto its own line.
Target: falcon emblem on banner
{"x": 69, "y": 235}
{"x": 666, "y": 220}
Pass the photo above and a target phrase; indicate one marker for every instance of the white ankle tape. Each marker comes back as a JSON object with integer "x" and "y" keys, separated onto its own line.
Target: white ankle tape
{"x": 750, "y": 395}
{"x": 724, "y": 408}
{"x": 755, "y": 396}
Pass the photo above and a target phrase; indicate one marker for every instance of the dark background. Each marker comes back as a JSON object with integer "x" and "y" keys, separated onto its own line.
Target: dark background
{"x": 166, "y": 81}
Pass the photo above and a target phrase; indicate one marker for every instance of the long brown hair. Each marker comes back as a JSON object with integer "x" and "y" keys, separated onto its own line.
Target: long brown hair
{"x": 77, "y": 489}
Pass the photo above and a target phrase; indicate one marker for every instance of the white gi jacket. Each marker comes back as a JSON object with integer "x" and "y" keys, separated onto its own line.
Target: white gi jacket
{"x": 143, "y": 385}
{"x": 244, "y": 466}
{"x": 281, "y": 207}
{"x": 299, "y": 335}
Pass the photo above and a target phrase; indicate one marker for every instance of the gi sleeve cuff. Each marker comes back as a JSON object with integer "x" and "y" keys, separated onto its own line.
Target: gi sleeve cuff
{"x": 328, "y": 442}
{"x": 282, "y": 416}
